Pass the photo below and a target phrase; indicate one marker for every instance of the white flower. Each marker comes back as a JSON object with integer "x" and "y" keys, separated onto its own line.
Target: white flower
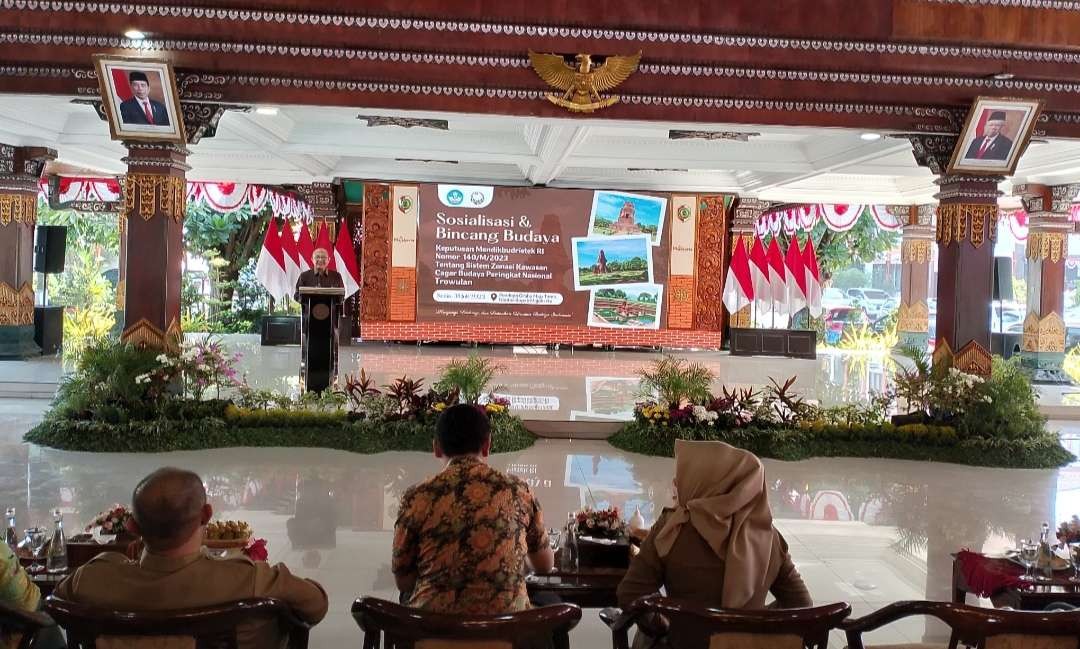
{"x": 700, "y": 413}
{"x": 162, "y": 358}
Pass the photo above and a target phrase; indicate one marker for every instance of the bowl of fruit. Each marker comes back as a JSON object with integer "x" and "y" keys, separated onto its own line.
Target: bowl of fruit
{"x": 224, "y": 535}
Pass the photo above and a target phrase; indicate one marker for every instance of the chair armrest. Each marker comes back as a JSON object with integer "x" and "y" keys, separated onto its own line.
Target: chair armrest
{"x": 614, "y": 617}
{"x": 887, "y": 615}
{"x": 299, "y": 631}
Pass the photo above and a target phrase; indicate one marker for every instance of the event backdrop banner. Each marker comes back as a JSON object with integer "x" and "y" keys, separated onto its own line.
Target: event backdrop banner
{"x": 514, "y": 255}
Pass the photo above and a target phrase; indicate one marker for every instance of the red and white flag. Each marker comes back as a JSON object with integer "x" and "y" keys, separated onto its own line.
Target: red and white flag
{"x": 759, "y": 272}
{"x": 777, "y": 277}
{"x": 796, "y": 277}
{"x": 322, "y": 240}
{"x": 739, "y": 286}
{"x": 813, "y": 278}
{"x": 305, "y": 246}
{"x": 270, "y": 268}
{"x": 344, "y": 258}
{"x": 292, "y": 254}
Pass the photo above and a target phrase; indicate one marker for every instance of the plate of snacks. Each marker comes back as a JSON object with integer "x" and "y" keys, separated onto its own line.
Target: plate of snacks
{"x": 223, "y": 535}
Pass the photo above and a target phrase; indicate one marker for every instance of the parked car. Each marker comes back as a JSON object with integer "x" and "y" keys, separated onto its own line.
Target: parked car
{"x": 833, "y": 298}
{"x": 842, "y": 319}
{"x": 875, "y": 301}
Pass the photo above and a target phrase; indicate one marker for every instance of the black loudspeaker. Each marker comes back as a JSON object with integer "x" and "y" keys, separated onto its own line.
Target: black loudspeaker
{"x": 49, "y": 249}
{"x": 49, "y": 329}
{"x": 1003, "y": 279}
{"x": 280, "y": 330}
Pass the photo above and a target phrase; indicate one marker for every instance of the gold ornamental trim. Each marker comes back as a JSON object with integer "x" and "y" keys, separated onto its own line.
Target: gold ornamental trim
{"x": 973, "y": 359}
{"x": 1046, "y": 334}
{"x": 913, "y": 318}
{"x": 741, "y": 318}
{"x": 1047, "y": 245}
{"x": 146, "y": 335}
{"x": 166, "y": 195}
{"x": 915, "y": 251}
{"x": 959, "y": 222}
{"x": 943, "y": 355}
{"x": 20, "y": 208}
{"x": 121, "y": 294}
{"x": 16, "y": 305}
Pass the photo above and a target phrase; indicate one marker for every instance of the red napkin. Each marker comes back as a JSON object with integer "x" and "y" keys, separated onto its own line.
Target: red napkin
{"x": 986, "y": 576}
{"x": 256, "y": 550}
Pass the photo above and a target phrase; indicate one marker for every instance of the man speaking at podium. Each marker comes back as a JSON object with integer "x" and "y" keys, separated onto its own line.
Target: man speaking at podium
{"x": 319, "y": 345}
{"x": 320, "y": 276}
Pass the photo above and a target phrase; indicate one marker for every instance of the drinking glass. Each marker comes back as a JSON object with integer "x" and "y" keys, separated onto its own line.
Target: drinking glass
{"x": 1029, "y": 554}
{"x": 36, "y": 537}
{"x": 554, "y": 537}
{"x": 1074, "y": 557}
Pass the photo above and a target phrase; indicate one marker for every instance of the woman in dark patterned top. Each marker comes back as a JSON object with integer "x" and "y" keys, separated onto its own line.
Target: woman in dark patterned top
{"x": 462, "y": 536}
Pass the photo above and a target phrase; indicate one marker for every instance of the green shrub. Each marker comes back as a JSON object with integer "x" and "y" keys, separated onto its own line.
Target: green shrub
{"x": 237, "y": 427}
{"x": 914, "y": 442}
{"x": 470, "y": 377}
{"x": 1010, "y": 406}
{"x": 104, "y": 382}
{"x": 675, "y": 380}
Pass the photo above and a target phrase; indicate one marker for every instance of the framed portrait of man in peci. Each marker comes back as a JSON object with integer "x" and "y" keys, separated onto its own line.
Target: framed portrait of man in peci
{"x": 140, "y": 98}
{"x": 995, "y": 133}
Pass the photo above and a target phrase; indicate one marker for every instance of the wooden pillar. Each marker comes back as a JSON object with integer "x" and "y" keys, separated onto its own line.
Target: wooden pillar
{"x": 1047, "y": 250}
{"x": 349, "y": 195}
{"x": 967, "y": 218}
{"x": 744, "y": 226}
{"x": 20, "y": 171}
{"x": 152, "y": 222}
{"x": 916, "y": 250}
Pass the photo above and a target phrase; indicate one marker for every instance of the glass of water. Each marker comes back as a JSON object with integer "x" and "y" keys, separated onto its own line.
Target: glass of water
{"x": 1029, "y": 554}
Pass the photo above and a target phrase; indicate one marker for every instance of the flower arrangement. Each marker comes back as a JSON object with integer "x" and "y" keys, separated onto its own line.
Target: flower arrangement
{"x": 197, "y": 367}
{"x": 600, "y": 523}
{"x": 496, "y": 405}
{"x": 1069, "y": 531}
{"x": 111, "y": 521}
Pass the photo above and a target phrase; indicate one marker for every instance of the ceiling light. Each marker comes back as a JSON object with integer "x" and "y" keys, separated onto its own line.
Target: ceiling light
{"x": 134, "y": 35}
{"x": 1004, "y": 76}
{"x": 870, "y": 137}
{"x": 267, "y": 110}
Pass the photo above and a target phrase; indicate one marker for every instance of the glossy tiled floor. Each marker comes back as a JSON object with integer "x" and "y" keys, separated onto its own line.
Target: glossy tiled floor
{"x": 864, "y": 531}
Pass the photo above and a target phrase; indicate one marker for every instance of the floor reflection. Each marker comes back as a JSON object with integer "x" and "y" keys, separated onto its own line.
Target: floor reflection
{"x": 864, "y": 531}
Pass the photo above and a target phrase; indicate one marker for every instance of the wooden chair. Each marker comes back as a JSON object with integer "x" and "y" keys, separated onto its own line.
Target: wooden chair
{"x": 25, "y": 624}
{"x": 388, "y": 625}
{"x": 693, "y": 627}
{"x": 986, "y": 628}
{"x": 210, "y": 627}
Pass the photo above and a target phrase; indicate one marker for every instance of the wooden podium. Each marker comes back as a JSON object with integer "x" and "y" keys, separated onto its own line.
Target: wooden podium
{"x": 319, "y": 341}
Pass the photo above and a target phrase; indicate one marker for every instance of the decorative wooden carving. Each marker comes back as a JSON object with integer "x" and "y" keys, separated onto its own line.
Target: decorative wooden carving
{"x": 375, "y": 307}
{"x": 16, "y": 306}
{"x": 711, "y": 243}
{"x": 734, "y": 136}
{"x": 200, "y": 118}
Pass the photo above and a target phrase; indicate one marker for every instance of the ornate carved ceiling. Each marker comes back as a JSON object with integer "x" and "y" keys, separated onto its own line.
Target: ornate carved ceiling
{"x": 887, "y": 65}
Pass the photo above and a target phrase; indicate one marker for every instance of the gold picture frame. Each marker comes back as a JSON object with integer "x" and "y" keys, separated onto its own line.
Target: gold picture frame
{"x": 995, "y": 134}
{"x": 140, "y": 98}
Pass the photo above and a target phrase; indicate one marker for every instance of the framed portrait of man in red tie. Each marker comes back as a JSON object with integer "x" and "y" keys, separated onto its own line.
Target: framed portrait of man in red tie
{"x": 995, "y": 134}
{"x": 139, "y": 98}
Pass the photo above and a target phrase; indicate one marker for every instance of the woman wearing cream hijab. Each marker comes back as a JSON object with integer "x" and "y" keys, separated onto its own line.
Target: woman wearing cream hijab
{"x": 718, "y": 547}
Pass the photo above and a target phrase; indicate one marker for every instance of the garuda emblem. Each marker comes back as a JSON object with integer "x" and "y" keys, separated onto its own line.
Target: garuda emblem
{"x": 583, "y": 84}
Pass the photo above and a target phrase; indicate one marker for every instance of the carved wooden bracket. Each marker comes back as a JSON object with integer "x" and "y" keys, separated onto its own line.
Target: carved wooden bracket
{"x": 932, "y": 151}
{"x": 200, "y": 118}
